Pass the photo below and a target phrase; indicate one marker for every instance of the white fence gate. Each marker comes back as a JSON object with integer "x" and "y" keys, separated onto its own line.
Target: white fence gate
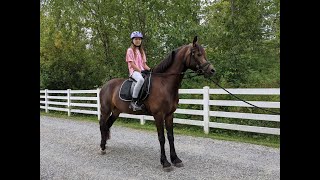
{"x": 69, "y": 102}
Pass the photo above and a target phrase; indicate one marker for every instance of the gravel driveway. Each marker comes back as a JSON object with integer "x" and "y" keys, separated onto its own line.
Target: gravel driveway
{"x": 69, "y": 149}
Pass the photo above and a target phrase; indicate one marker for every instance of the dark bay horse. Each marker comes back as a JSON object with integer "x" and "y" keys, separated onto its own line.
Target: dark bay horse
{"x": 163, "y": 98}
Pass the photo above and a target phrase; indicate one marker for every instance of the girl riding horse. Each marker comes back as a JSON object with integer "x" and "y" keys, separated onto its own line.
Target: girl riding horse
{"x": 163, "y": 98}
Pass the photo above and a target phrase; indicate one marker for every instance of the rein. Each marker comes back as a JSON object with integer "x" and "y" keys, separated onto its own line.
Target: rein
{"x": 198, "y": 73}
{"x": 166, "y": 74}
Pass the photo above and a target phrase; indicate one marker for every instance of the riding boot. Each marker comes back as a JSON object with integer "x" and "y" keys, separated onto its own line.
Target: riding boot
{"x": 135, "y": 105}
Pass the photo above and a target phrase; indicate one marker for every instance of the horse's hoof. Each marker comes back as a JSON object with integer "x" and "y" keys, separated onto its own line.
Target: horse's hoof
{"x": 103, "y": 151}
{"x": 168, "y": 169}
{"x": 178, "y": 164}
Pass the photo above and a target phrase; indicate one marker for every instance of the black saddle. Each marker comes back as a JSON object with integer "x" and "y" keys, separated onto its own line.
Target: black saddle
{"x": 127, "y": 86}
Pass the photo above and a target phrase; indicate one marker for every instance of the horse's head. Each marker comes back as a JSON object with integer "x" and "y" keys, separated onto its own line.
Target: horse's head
{"x": 198, "y": 60}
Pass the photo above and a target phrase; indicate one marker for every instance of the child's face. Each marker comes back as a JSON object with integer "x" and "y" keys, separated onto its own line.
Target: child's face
{"x": 137, "y": 41}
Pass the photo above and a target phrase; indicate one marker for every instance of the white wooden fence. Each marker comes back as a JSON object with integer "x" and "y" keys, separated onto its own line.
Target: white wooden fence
{"x": 69, "y": 102}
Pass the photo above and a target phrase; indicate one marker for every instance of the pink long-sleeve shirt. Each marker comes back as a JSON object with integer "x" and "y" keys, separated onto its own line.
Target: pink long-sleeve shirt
{"x": 138, "y": 61}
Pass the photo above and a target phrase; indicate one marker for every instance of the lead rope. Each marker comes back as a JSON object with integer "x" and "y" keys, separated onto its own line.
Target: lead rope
{"x": 201, "y": 73}
{"x": 277, "y": 113}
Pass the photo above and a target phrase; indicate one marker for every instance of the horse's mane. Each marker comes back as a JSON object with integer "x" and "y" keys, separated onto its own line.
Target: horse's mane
{"x": 166, "y": 63}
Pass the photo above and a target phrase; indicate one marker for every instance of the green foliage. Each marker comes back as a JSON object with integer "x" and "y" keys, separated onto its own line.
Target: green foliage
{"x": 83, "y": 43}
{"x": 239, "y": 44}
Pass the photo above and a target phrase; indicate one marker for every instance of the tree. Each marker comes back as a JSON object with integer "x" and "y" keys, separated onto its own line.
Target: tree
{"x": 238, "y": 37}
{"x": 83, "y": 43}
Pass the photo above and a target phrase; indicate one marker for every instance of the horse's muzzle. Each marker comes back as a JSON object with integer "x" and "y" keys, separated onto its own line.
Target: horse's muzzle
{"x": 212, "y": 72}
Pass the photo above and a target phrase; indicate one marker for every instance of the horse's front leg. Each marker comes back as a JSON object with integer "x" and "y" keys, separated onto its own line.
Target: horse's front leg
{"x": 173, "y": 156}
{"x": 163, "y": 159}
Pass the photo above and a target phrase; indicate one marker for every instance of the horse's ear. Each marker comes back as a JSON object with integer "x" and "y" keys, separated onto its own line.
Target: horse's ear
{"x": 173, "y": 53}
{"x": 195, "y": 39}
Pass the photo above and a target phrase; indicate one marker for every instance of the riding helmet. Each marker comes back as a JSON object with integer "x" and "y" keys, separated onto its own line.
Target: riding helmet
{"x": 136, "y": 34}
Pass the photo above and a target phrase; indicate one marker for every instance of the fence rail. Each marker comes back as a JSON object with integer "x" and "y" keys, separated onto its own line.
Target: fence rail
{"x": 67, "y": 104}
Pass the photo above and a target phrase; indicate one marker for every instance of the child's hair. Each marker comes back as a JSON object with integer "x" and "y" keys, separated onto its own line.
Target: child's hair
{"x": 140, "y": 49}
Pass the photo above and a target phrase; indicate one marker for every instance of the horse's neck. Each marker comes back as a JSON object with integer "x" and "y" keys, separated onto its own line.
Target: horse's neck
{"x": 178, "y": 65}
{"x": 176, "y": 70}
{"x": 174, "y": 82}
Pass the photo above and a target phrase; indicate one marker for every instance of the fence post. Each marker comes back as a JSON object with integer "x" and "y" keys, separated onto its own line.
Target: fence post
{"x": 98, "y": 103}
{"x": 69, "y": 101}
{"x": 142, "y": 120}
{"x": 206, "y": 109}
{"x": 46, "y": 99}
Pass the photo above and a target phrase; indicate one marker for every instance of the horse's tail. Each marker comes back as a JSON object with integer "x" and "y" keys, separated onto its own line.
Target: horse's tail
{"x": 107, "y": 91}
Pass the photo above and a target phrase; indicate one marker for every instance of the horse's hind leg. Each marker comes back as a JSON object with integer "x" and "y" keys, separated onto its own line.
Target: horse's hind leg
{"x": 105, "y": 114}
{"x": 110, "y": 121}
{"x": 105, "y": 125}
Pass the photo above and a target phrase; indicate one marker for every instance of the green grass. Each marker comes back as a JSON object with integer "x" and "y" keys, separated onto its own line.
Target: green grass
{"x": 195, "y": 131}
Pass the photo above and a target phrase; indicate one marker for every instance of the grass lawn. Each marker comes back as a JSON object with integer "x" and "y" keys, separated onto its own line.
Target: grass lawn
{"x": 196, "y": 131}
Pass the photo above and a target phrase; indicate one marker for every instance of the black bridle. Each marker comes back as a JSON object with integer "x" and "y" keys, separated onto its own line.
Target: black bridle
{"x": 200, "y": 68}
